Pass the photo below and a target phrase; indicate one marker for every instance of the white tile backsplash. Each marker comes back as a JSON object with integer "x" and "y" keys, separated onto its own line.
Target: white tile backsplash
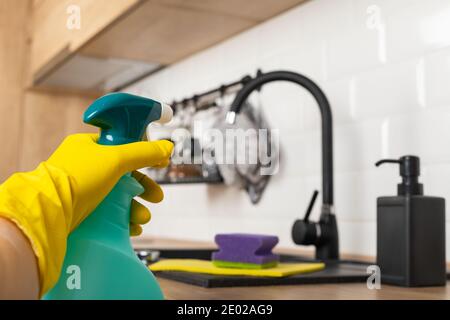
{"x": 417, "y": 28}
{"x": 300, "y": 154}
{"x": 387, "y": 90}
{"x": 425, "y": 133}
{"x": 357, "y": 145}
{"x": 269, "y": 100}
{"x": 385, "y": 68}
{"x": 437, "y": 78}
{"x": 362, "y": 45}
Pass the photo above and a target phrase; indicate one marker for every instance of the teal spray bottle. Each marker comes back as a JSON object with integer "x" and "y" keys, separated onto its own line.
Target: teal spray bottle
{"x": 100, "y": 262}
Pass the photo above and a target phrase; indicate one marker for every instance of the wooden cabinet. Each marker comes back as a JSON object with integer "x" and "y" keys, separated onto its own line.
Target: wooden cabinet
{"x": 54, "y": 37}
{"x": 122, "y": 40}
{"x": 13, "y": 44}
{"x": 47, "y": 119}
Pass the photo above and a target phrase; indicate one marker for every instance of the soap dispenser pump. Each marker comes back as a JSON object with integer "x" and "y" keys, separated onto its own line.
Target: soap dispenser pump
{"x": 411, "y": 231}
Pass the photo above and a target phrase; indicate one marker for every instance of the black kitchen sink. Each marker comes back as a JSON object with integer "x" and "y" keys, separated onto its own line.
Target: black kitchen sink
{"x": 342, "y": 271}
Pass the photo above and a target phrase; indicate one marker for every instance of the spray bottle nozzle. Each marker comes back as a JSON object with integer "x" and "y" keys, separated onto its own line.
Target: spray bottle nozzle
{"x": 123, "y": 118}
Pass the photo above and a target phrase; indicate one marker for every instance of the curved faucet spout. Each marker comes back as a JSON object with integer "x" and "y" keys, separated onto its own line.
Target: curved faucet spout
{"x": 325, "y": 110}
{"x": 327, "y": 248}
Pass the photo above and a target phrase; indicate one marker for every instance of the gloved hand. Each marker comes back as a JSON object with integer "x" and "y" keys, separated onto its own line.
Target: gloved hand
{"x": 51, "y": 201}
{"x": 140, "y": 214}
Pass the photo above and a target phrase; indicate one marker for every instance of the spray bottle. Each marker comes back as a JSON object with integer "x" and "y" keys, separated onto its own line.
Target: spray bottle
{"x": 100, "y": 262}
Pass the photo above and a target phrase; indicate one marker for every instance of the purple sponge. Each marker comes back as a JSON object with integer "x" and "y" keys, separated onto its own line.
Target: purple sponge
{"x": 245, "y": 250}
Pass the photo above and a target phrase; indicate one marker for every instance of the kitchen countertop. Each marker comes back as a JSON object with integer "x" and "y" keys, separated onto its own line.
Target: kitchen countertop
{"x": 177, "y": 290}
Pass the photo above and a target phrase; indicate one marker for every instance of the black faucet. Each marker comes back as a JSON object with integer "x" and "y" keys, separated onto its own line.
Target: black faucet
{"x": 324, "y": 233}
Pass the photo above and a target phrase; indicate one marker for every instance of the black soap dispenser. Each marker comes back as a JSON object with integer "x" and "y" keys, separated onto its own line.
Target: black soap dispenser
{"x": 411, "y": 232}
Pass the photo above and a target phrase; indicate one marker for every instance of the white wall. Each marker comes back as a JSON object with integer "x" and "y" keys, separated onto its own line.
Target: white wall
{"x": 389, "y": 89}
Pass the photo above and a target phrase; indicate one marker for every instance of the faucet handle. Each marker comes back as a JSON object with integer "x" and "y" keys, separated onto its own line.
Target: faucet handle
{"x": 322, "y": 234}
{"x": 311, "y": 205}
{"x": 305, "y": 232}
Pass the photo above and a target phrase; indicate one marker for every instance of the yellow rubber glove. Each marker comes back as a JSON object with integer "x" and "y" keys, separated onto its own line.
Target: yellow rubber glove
{"x": 51, "y": 201}
{"x": 140, "y": 214}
